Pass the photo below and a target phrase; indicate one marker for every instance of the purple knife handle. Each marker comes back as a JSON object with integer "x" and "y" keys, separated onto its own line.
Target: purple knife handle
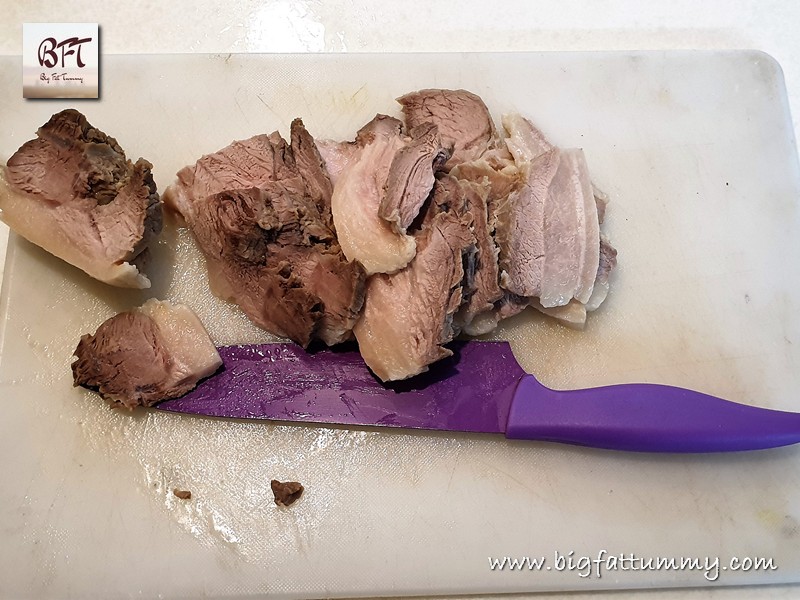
{"x": 644, "y": 417}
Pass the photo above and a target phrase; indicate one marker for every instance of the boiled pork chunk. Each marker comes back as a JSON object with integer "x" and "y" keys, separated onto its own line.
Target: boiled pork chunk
{"x": 143, "y": 356}
{"x": 545, "y": 218}
{"x": 363, "y": 235}
{"x": 548, "y": 230}
{"x": 382, "y": 179}
{"x": 411, "y": 176}
{"x": 260, "y": 210}
{"x": 73, "y": 192}
{"x": 521, "y": 229}
{"x": 409, "y": 316}
{"x": 480, "y": 289}
{"x": 462, "y": 118}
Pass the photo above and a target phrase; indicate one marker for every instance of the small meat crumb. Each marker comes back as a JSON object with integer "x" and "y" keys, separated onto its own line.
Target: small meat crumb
{"x": 286, "y": 493}
{"x": 182, "y": 494}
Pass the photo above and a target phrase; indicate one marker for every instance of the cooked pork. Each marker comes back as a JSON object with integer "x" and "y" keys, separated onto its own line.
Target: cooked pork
{"x": 496, "y": 171}
{"x": 463, "y": 120}
{"x": 408, "y": 316}
{"x": 411, "y": 176}
{"x": 601, "y": 200}
{"x": 260, "y": 212}
{"x": 481, "y": 288}
{"x": 572, "y": 234}
{"x": 523, "y": 140}
{"x": 502, "y": 177}
{"x": 546, "y": 217}
{"x": 309, "y": 165}
{"x": 337, "y": 156}
{"x": 572, "y": 314}
{"x": 363, "y": 234}
{"x": 383, "y": 178}
{"x": 548, "y": 229}
{"x": 146, "y": 355}
{"x": 73, "y": 192}
{"x": 455, "y": 225}
{"x": 286, "y": 493}
{"x": 521, "y": 226}
{"x": 244, "y": 164}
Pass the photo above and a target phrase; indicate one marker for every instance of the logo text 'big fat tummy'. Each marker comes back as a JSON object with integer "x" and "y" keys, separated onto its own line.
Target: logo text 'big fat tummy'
{"x": 60, "y": 60}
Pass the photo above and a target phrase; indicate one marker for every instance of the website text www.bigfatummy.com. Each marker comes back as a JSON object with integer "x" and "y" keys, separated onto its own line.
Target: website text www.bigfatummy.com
{"x": 604, "y": 562}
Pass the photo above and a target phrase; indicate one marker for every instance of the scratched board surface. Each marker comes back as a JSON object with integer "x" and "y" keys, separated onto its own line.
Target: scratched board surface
{"x": 696, "y": 152}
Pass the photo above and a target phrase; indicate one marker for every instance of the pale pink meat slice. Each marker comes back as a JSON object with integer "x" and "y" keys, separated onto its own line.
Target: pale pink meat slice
{"x": 522, "y": 227}
{"x": 571, "y": 235}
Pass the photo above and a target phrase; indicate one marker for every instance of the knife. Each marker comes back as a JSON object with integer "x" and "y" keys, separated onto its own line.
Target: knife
{"x": 480, "y": 389}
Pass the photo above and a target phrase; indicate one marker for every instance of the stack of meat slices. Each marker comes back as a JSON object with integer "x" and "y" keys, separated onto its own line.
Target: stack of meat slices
{"x": 406, "y": 236}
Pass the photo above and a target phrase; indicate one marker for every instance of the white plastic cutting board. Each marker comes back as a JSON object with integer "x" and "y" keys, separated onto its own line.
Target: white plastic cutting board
{"x": 697, "y": 153}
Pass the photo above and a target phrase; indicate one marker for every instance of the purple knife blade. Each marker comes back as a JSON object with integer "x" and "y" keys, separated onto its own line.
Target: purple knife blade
{"x": 481, "y": 388}
{"x": 470, "y": 391}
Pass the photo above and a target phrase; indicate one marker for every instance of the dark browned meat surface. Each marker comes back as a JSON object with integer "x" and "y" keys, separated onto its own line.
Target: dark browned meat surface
{"x": 73, "y": 192}
{"x": 145, "y": 355}
{"x": 275, "y": 257}
{"x": 260, "y": 211}
{"x": 286, "y": 493}
{"x": 462, "y": 118}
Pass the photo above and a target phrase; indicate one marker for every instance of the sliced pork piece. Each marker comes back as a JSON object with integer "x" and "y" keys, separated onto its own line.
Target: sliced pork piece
{"x": 73, "y": 192}
{"x": 411, "y": 176}
{"x": 309, "y": 165}
{"x": 572, "y": 234}
{"x": 548, "y": 229}
{"x": 521, "y": 228}
{"x": 496, "y": 171}
{"x": 270, "y": 246}
{"x": 364, "y": 236}
{"x": 146, "y": 355}
{"x": 463, "y": 120}
{"x": 271, "y": 253}
{"x": 409, "y": 315}
{"x": 243, "y": 164}
{"x": 387, "y": 174}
